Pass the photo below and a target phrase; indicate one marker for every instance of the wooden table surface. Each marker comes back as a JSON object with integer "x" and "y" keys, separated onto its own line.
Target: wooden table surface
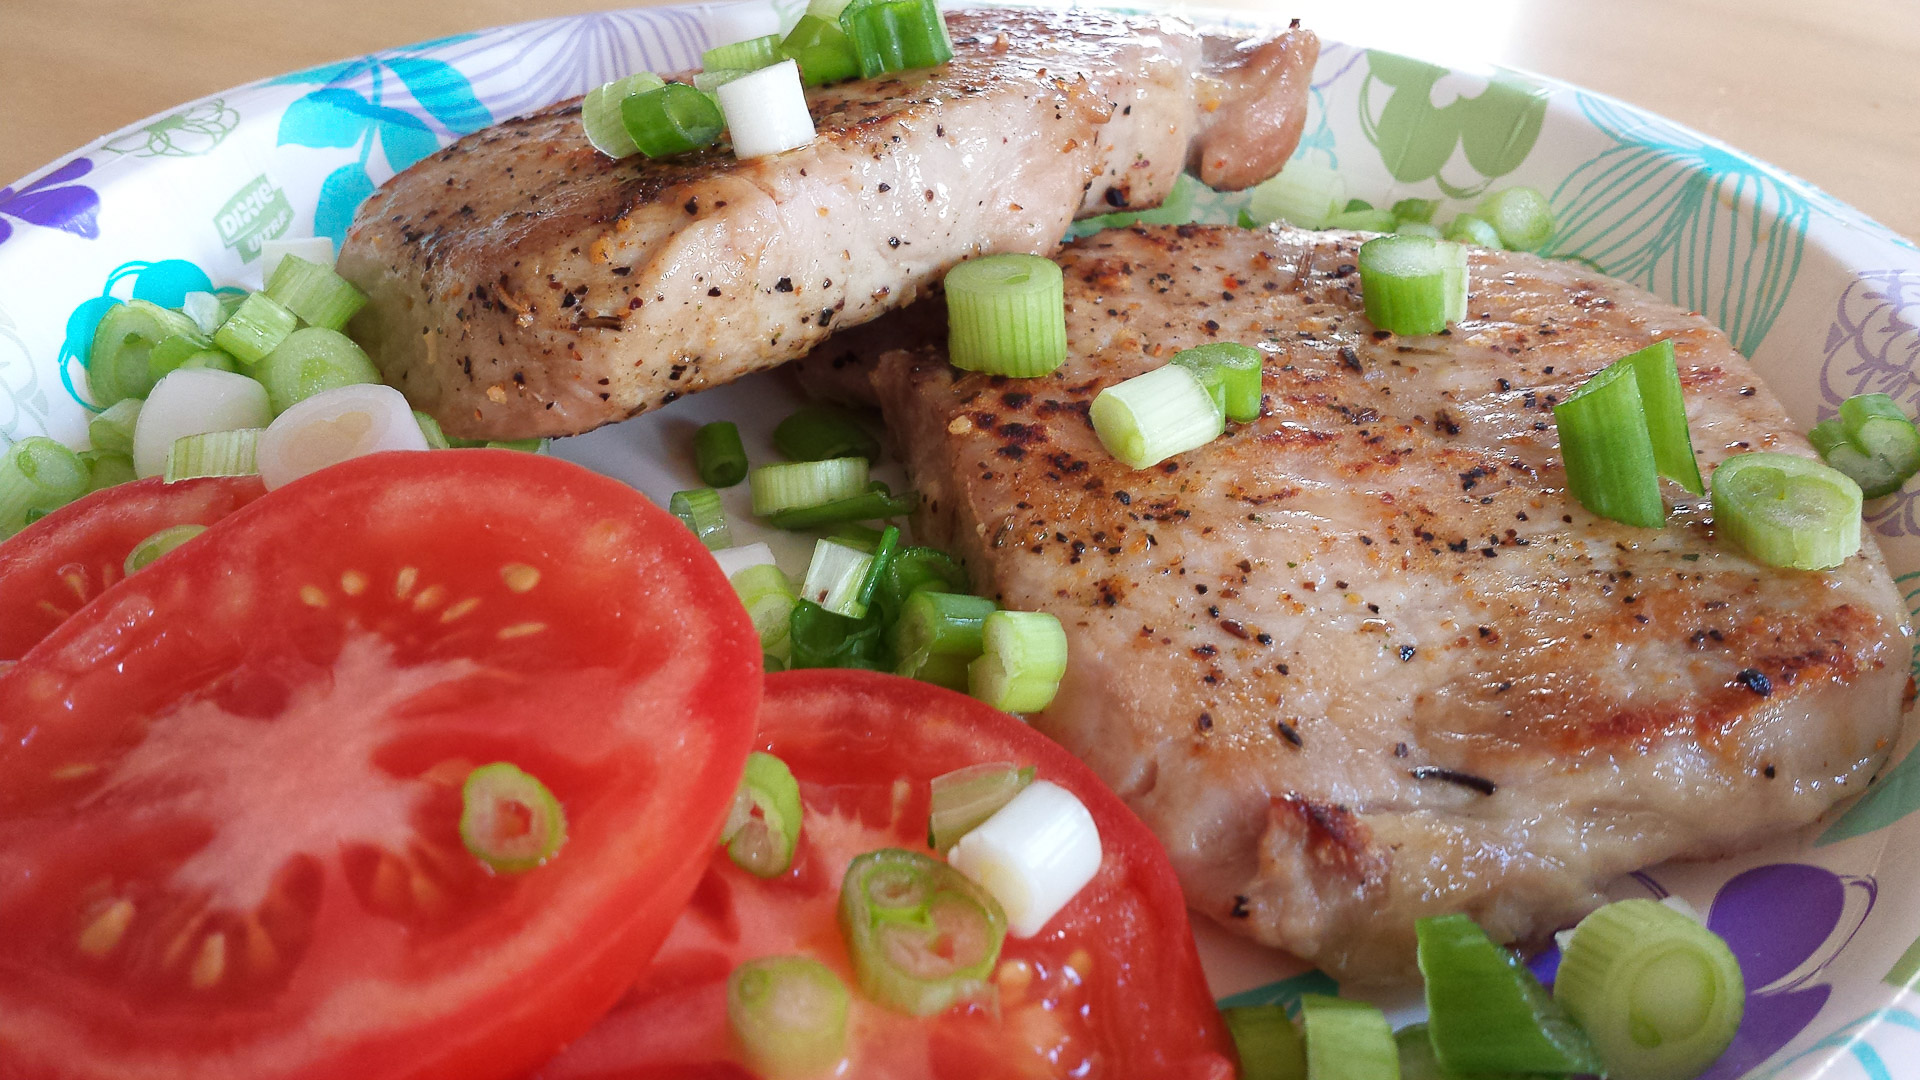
{"x": 1828, "y": 90}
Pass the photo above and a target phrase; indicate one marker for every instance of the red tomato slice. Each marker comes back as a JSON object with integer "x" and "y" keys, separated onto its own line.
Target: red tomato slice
{"x": 50, "y": 569}
{"x": 1111, "y": 988}
{"x": 230, "y": 789}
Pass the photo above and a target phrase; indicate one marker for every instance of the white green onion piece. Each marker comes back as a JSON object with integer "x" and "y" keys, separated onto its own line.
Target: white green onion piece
{"x": 1034, "y": 855}
{"x": 732, "y": 560}
{"x": 1151, "y": 417}
{"x": 191, "y": 401}
{"x": 1025, "y": 657}
{"x": 214, "y": 453}
{"x": 806, "y": 483}
{"x": 600, "y": 113}
{"x": 964, "y": 798}
{"x": 1347, "y": 1040}
{"x": 835, "y": 576}
{"x": 1873, "y": 440}
{"x": 333, "y": 426}
{"x": 1413, "y": 284}
{"x": 314, "y": 292}
{"x": 762, "y": 842}
{"x": 769, "y": 600}
{"x": 1520, "y": 215}
{"x": 789, "y": 1015}
{"x": 766, "y": 111}
{"x": 146, "y": 551}
{"x": 1006, "y": 315}
{"x": 311, "y": 360}
{"x": 509, "y": 820}
{"x": 317, "y": 250}
{"x": 1306, "y": 193}
{"x": 112, "y": 430}
{"x": 1660, "y": 995}
{"x": 712, "y": 79}
{"x": 1786, "y": 510}
{"x": 699, "y": 510}
{"x": 1268, "y": 1043}
{"x": 205, "y": 310}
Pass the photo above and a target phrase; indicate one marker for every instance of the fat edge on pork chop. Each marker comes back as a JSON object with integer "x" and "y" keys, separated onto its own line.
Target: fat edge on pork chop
{"x": 523, "y": 284}
{"x": 1363, "y": 659}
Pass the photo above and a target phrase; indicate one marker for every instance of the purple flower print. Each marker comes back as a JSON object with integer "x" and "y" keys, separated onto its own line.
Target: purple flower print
{"x": 54, "y": 202}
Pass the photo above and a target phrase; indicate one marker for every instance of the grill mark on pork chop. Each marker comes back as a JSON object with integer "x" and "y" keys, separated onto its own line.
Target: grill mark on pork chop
{"x": 1509, "y": 701}
{"x": 570, "y": 290}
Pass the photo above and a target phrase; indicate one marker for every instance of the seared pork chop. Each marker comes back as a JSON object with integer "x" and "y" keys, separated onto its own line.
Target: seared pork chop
{"x": 522, "y": 283}
{"x": 1363, "y": 659}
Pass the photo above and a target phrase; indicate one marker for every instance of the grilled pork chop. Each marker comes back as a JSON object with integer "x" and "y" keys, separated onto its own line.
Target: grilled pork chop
{"x": 523, "y": 284}
{"x": 1364, "y": 659}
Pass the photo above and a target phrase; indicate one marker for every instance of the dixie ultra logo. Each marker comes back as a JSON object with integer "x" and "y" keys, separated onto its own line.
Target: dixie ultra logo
{"x": 258, "y": 212}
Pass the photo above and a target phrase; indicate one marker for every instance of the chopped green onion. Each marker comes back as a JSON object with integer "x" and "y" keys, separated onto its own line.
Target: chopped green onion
{"x": 749, "y": 55}
{"x": 1356, "y": 204}
{"x": 205, "y": 311}
{"x": 525, "y": 446}
{"x": 256, "y": 328}
{"x": 170, "y": 355}
{"x": 1520, "y": 215}
{"x": 806, "y": 483}
{"x": 944, "y": 624}
{"x": 1006, "y": 315}
{"x": 1347, "y": 1040}
{"x": 964, "y": 798}
{"x": 1380, "y": 221}
{"x": 1660, "y": 395}
{"x": 718, "y": 455}
{"x": 1415, "y": 209}
{"x": 764, "y": 842}
{"x": 881, "y": 555}
{"x": 315, "y": 249}
{"x": 333, "y": 426}
{"x": 1413, "y": 284}
{"x": 921, "y": 936}
{"x": 1786, "y": 510}
{"x": 107, "y": 468}
{"x": 214, "y": 453}
{"x": 117, "y": 362}
{"x": 1149, "y": 418}
{"x": 113, "y": 428}
{"x": 189, "y": 402}
{"x": 712, "y": 79}
{"x": 1034, "y": 855}
{"x": 315, "y": 293}
{"x": 430, "y": 431}
{"x": 1468, "y": 229}
{"x": 671, "y": 119}
{"x": 1486, "y": 1011}
{"x": 509, "y": 820}
{"x": 1417, "y": 228}
{"x": 819, "y": 432}
{"x": 854, "y": 535}
{"x": 600, "y": 113}
{"x": 1416, "y": 1055}
{"x": 911, "y": 570}
{"x": 37, "y": 474}
{"x": 146, "y": 551}
{"x": 309, "y": 361}
{"x": 1024, "y": 657}
{"x": 699, "y": 509}
{"x": 766, "y": 111}
{"x": 1873, "y": 441}
{"x": 768, "y": 598}
{"x": 789, "y": 1014}
{"x": 940, "y": 669}
{"x": 835, "y": 577}
{"x": 1176, "y": 209}
{"x": 1660, "y": 995}
{"x": 1608, "y": 451}
{"x": 1267, "y": 1042}
{"x": 827, "y": 9}
{"x": 818, "y": 638}
{"x": 895, "y": 35}
{"x": 866, "y": 506}
{"x": 1231, "y": 373}
{"x": 1305, "y": 193}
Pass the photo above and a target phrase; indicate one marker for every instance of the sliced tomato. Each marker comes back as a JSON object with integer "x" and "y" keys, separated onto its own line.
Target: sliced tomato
{"x": 230, "y": 789}
{"x": 50, "y": 569}
{"x": 1112, "y": 987}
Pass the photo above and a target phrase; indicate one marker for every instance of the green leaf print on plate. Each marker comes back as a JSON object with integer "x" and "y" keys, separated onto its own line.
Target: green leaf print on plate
{"x": 1496, "y": 128}
{"x": 191, "y": 132}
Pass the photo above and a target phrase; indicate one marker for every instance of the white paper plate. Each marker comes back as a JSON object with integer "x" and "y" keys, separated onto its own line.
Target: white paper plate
{"x": 1825, "y": 301}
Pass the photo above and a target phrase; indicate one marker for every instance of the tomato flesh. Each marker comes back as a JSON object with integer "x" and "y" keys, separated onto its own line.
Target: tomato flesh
{"x": 231, "y": 789}
{"x": 1112, "y": 987}
{"x": 52, "y": 568}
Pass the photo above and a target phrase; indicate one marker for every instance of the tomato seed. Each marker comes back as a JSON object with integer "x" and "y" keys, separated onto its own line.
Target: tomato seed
{"x": 520, "y": 630}
{"x": 103, "y": 934}
{"x": 430, "y": 597}
{"x": 519, "y": 577}
{"x": 459, "y": 608}
{"x": 404, "y": 581}
{"x": 312, "y": 596}
{"x": 211, "y": 963}
{"x": 353, "y": 582}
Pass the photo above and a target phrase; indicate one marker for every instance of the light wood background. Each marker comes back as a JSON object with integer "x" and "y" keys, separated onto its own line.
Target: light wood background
{"x": 1827, "y": 89}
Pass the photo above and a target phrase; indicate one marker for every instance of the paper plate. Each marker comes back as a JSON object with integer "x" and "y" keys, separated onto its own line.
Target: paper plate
{"x": 1825, "y": 302}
